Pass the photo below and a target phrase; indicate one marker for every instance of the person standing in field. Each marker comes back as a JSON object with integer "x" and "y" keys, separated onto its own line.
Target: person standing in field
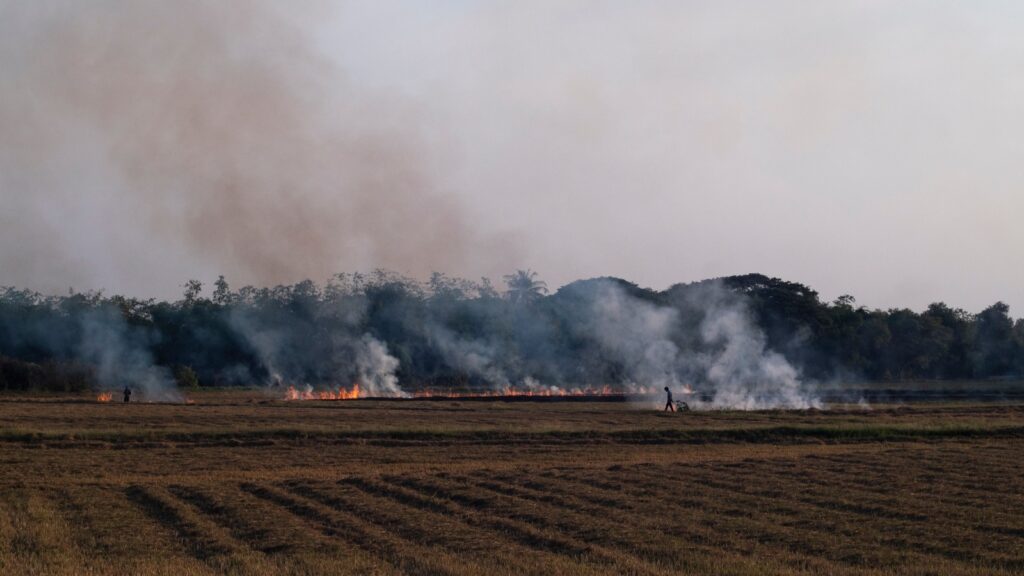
{"x": 669, "y": 406}
{"x": 127, "y": 394}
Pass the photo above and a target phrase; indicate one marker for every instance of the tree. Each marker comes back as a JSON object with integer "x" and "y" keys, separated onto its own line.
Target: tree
{"x": 956, "y": 362}
{"x": 839, "y": 341}
{"x": 450, "y": 330}
{"x": 995, "y": 347}
{"x": 523, "y": 286}
{"x": 221, "y": 291}
{"x": 193, "y": 288}
{"x": 485, "y": 290}
{"x": 873, "y": 338}
{"x": 845, "y": 301}
{"x": 1018, "y": 335}
{"x": 186, "y": 377}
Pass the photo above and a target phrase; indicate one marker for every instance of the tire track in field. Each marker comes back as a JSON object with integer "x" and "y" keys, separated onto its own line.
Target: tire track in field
{"x": 961, "y": 472}
{"x": 420, "y": 493}
{"x": 394, "y": 492}
{"x": 263, "y": 537}
{"x": 734, "y": 517}
{"x": 202, "y": 539}
{"x": 923, "y": 545}
{"x": 757, "y": 526}
{"x": 100, "y": 515}
{"x": 675, "y": 535}
{"x": 959, "y": 510}
{"x": 775, "y": 493}
{"x": 715, "y": 486}
{"x": 701, "y": 521}
{"x": 37, "y": 534}
{"x": 87, "y": 535}
{"x": 657, "y": 546}
{"x": 433, "y": 529}
{"x": 958, "y": 495}
{"x": 403, "y": 555}
{"x": 408, "y": 491}
{"x": 1001, "y": 479}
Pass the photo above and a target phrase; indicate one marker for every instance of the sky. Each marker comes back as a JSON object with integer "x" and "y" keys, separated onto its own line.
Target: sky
{"x": 864, "y": 148}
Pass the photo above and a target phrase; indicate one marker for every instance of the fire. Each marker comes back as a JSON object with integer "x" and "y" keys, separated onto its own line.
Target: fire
{"x": 293, "y": 393}
{"x": 340, "y": 394}
{"x": 516, "y": 392}
{"x": 104, "y": 397}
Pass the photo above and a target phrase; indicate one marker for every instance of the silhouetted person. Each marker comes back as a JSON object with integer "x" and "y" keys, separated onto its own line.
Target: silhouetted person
{"x": 127, "y": 394}
{"x": 669, "y": 406}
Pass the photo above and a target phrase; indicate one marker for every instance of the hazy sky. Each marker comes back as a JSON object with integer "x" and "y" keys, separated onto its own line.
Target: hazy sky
{"x": 859, "y": 147}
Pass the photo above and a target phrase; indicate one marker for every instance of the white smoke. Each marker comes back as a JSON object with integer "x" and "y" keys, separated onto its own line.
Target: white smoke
{"x": 716, "y": 349}
{"x": 356, "y": 357}
{"x": 266, "y": 342}
{"x": 708, "y": 342}
{"x": 122, "y": 359}
{"x": 477, "y": 358}
{"x": 742, "y": 373}
{"x": 703, "y": 338}
{"x": 377, "y": 369}
{"x": 638, "y": 334}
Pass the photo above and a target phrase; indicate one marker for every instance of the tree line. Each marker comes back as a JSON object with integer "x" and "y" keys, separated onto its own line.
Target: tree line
{"x": 452, "y": 332}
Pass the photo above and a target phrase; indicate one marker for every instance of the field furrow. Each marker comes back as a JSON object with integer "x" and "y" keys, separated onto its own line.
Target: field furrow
{"x": 400, "y": 554}
{"x": 256, "y": 487}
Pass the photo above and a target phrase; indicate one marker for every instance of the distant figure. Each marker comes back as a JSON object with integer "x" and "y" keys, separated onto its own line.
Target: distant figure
{"x": 127, "y": 394}
{"x": 669, "y": 406}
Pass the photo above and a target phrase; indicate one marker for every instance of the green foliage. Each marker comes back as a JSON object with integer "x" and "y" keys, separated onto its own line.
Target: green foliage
{"x": 193, "y": 288}
{"x": 221, "y": 292}
{"x": 186, "y": 378}
{"x": 523, "y": 287}
{"x": 309, "y": 331}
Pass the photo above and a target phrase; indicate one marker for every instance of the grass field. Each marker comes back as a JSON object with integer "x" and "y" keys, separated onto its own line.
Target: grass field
{"x": 240, "y": 484}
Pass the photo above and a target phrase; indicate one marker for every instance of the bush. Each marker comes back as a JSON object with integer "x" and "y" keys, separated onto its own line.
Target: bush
{"x": 186, "y": 377}
{"x": 49, "y": 376}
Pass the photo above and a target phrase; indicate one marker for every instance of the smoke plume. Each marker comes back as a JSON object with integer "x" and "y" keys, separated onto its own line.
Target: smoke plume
{"x": 708, "y": 343}
{"x": 122, "y": 358}
{"x": 637, "y": 334}
{"x": 738, "y": 370}
{"x": 705, "y": 341}
{"x": 212, "y": 136}
{"x": 377, "y": 368}
{"x": 476, "y": 357}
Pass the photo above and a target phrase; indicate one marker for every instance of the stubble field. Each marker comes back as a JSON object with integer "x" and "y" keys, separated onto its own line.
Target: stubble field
{"x": 240, "y": 484}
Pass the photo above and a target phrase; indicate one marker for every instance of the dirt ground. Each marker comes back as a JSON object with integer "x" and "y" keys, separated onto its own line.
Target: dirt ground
{"x": 241, "y": 484}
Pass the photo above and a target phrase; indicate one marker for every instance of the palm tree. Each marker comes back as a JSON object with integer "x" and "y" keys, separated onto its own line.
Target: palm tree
{"x": 524, "y": 287}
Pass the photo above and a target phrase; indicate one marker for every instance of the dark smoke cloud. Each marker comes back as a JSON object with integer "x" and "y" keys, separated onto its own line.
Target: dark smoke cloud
{"x": 209, "y": 137}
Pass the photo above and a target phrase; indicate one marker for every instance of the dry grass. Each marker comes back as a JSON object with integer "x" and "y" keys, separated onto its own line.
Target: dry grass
{"x": 238, "y": 484}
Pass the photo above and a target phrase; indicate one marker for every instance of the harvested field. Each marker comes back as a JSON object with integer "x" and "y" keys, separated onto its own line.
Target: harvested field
{"x": 239, "y": 484}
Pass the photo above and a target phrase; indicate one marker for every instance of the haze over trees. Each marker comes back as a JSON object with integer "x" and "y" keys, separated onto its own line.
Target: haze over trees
{"x": 453, "y": 332}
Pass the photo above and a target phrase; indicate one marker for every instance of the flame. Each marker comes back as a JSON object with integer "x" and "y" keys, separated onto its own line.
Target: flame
{"x": 530, "y": 392}
{"x": 309, "y": 394}
{"x": 293, "y": 393}
{"x": 104, "y": 396}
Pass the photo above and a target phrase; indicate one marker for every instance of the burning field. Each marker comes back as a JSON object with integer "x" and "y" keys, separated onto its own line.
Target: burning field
{"x": 240, "y": 483}
{"x": 292, "y": 393}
